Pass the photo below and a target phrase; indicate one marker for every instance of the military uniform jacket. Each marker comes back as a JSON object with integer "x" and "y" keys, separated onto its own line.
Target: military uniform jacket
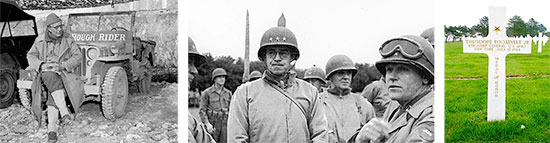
{"x": 415, "y": 124}
{"x": 196, "y": 132}
{"x": 212, "y": 102}
{"x": 345, "y": 115}
{"x": 260, "y": 113}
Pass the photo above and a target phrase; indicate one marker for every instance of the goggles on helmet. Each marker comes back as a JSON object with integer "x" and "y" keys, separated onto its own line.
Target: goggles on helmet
{"x": 413, "y": 50}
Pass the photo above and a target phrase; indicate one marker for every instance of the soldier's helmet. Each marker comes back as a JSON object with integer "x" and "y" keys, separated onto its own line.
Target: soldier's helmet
{"x": 339, "y": 62}
{"x": 218, "y": 72}
{"x": 428, "y": 34}
{"x": 279, "y": 35}
{"x": 315, "y": 73}
{"x": 255, "y": 74}
{"x": 194, "y": 54}
{"x": 408, "y": 49}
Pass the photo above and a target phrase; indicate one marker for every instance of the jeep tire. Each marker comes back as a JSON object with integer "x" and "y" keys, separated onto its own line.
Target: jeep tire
{"x": 144, "y": 85}
{"x": 114, "y": 93}
{"x": 8, "y": 80}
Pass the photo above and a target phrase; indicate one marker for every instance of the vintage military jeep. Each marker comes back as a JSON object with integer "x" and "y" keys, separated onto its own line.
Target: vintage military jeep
{"x": 17, "y": 36}
{"x": 112, "y": 59}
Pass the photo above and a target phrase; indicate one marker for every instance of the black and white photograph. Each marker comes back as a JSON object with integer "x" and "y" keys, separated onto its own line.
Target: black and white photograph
{"x": 310, "y": 71}
{"x": 88, "y": 71}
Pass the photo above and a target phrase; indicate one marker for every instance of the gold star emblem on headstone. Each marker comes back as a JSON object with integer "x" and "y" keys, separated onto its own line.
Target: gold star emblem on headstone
{"x": 497, "y": 29}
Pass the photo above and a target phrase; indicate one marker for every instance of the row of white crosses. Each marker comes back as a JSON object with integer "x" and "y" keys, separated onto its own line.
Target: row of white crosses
{"x": 497, "y": 45}
{"x": 540, "y": 40}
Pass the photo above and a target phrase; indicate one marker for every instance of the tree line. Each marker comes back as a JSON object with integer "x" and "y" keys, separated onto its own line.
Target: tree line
{"x": 516, "y": 26}
{"x": 366, "y": 74}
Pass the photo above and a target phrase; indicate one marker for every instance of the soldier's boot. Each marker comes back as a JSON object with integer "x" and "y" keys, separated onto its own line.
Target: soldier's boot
{"x": 52, "y": 137}
{"x": 59, "y": 100}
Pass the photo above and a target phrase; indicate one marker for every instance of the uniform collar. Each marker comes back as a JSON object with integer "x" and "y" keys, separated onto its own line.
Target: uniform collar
{"x": 287, "y": 81}
{"x": 339, "y": 93}
{"x": 212, "y": 89}
{"x": 417, "y": 108}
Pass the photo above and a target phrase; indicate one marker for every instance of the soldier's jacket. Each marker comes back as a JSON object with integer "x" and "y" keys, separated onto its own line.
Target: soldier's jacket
{"x": 260, "y": 113}
{"x": 65, "y": 52}
{"x": 377, "y": 94}
{"x": 346, "y": 113}
{"x": 213, "y": 103}
{"x": 416, "y": 124}
{"x": 197, "y": 132}
{"x": 411, "y": 124}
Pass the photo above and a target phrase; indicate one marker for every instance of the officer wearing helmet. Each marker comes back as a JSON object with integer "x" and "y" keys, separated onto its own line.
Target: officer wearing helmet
{"x": 196, "y": 130}
{"x": 408, "y": 67}
{"x": 278, "y": 107}
{"x": 316, "y": 77}
{"x": 428, "y": 34}
{"x": 214, "y": 106}
{"x": 345, "y": 111}
{"x": 255, "y": 75}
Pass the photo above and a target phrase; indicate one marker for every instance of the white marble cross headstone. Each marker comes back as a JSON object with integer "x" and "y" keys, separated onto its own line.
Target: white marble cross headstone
{"x": 541, "y": 40}
{"x": 497, "y": 45}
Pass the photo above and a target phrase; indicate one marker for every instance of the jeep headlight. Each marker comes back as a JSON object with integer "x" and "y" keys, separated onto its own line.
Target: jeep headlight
{"x": 114, "y": 49}
{"x": 93, "y": 53}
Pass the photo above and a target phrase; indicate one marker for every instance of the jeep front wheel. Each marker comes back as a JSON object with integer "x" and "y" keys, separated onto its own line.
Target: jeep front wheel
{"x": 7, "y": 87}
{"x": 114, "y": 93}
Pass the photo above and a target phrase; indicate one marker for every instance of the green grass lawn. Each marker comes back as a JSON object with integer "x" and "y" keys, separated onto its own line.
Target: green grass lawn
{"x": 527, "y": 103}
{"x": 527, "y": 99}
{"x": 459, "y": 64}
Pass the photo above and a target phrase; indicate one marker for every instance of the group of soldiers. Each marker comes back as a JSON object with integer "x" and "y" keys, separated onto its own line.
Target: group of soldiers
{"x": 278, "y": 107}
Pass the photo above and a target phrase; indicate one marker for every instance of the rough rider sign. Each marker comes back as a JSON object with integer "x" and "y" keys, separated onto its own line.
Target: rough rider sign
{"x": 110, "y": 36}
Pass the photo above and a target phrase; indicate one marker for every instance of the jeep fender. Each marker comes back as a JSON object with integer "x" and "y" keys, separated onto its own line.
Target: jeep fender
{"x": 97, "y": 74}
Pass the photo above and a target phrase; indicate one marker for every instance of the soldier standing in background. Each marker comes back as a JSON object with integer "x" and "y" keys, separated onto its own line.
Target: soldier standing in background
{"x": 345, "y": 111}
{"x": 408, "y": 68}
{"x": 377, "y": 94}
{"x": 428, "y": 34}
{"x": 316, "y": 77}
{"x": 255, "y": 75}
{"x": 196, "y": 131}
{"x": 214, "y": 106}
{"x": 278, "y": 108}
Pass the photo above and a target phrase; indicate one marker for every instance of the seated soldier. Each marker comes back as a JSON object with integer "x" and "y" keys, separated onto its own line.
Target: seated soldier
{"x": 53, "y": 57}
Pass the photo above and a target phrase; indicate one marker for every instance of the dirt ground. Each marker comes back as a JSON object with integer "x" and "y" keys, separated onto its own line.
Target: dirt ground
{"x": 150, "y": 118}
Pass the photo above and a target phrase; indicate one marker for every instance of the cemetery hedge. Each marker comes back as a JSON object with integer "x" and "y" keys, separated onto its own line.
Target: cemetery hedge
{"x": 458, "y": 64}
{"x": 527, "y": 98}
{"x": 527, "y": 103}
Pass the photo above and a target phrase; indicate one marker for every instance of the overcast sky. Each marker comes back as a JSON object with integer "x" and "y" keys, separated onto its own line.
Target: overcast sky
{"x": 468, "y": 12}
{"x": 323, "y": 28}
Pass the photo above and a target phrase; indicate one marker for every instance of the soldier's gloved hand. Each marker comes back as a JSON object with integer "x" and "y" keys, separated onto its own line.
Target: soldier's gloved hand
{"x": 210, "y": 128}
{"x": 376, "y": 130}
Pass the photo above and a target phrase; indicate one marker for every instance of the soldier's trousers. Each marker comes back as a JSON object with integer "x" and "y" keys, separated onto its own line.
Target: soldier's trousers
{"x": 56, "y": 99}
{"x": 220, "y": 134}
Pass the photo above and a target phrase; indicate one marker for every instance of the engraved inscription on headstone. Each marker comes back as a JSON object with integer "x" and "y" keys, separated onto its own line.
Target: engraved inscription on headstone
{"x": 497, "y": 45}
